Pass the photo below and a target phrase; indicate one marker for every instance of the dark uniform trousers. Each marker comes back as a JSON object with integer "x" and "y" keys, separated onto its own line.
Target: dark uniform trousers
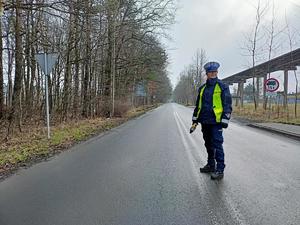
{"x": 213, "y": 137}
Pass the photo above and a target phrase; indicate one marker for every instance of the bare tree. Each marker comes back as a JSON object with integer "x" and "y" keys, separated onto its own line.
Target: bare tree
{"x": 272, "y": 34}
{"x": 191, "y": 78}
{"x": 253, "y": 47}
{"x": 1, "y": 74}
{"x": 15, "y": 111}
{"x": 200, "y": 60}
{"x": 105, "y": 48}
{"x": 199, "y": 74}
{"x": 290, "y": 38}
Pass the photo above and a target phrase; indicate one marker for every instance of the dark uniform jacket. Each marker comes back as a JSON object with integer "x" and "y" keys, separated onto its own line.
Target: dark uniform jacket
{"x": 207, "y": 115}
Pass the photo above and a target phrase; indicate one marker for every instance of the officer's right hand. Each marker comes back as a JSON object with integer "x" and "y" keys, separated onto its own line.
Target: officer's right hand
{"x": 193, "y": 127}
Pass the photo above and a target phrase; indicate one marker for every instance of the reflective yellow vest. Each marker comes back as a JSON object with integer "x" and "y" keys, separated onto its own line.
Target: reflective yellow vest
{"x": 217, "y": 102}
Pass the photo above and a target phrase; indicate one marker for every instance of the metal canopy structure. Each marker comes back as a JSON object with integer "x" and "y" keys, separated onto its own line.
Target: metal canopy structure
{"x": 285, "y": 62}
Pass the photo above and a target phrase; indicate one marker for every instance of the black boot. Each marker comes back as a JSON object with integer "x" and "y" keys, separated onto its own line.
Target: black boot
{"x": 207, "y": 169}
{"x": 218, "y": 175}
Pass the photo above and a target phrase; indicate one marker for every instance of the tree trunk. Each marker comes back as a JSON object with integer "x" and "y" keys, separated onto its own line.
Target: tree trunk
{"x": 77, "y": 67}
{"x": 27, "y": 72}
{"x": 67, "y": 75}
{"x": 1, "y": 74}
{"x": 257, "y": 91}
{"x": 108, "y": 66}
{"x": 86, "y": 79}
{"x": 15, "y": 110}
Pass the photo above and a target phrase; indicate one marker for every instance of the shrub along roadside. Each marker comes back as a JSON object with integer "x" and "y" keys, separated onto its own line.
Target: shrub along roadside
{"x": 32, "y": 146}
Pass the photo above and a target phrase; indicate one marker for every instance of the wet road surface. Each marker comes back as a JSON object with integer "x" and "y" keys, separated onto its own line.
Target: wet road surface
{"x": 147, "y": 172}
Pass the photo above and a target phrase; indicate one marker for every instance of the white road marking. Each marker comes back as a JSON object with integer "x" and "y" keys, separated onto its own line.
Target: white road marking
{"x": 187, "y": 140}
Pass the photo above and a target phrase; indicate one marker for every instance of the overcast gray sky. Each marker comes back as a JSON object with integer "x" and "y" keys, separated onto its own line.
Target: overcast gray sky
{"x": 219, "y": 27}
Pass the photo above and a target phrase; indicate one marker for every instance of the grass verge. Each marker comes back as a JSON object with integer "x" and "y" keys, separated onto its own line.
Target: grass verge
{"x": 275, "y": 114}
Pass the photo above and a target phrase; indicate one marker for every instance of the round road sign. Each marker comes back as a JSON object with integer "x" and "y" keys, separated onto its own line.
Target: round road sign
{"x": 272, "y": 84}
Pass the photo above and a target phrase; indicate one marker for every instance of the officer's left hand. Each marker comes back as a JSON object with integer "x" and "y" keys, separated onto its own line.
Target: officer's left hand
{"x": 224, "y": 125}
{"x": 225, "y": 120}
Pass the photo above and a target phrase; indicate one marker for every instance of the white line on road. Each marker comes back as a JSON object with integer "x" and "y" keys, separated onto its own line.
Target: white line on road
{"x": 232, "y": 206}
{"x": 194, "y": 168}
{"x": 199, "y": 156}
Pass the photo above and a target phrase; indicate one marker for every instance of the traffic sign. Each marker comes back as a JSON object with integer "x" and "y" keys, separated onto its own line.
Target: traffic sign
{"x": 50, "y": 61}
{"x": 272, "y": 85}
{"x": 46, "y": 62}
{"x": 140, "y": 90}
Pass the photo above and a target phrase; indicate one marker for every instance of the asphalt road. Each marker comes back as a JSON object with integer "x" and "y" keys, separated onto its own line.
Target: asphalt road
{"x": 147, "y": 172}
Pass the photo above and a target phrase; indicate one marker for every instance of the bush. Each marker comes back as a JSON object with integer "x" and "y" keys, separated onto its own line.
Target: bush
{"x": 121, "y": 108}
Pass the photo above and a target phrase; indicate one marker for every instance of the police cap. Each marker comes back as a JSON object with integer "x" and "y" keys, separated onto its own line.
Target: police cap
{"x": 211, "y": 66}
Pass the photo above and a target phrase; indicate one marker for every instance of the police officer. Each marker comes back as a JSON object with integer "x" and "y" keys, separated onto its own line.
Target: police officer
{"x": 213, "y": 110}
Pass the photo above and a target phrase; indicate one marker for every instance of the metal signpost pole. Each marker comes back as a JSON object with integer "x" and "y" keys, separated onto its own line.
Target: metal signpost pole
{"x": 46, "y": 62}
{"x": 47, "y": 95}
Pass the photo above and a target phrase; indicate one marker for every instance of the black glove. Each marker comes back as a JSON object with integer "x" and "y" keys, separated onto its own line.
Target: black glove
{"x": 194, "y": 122}
{"x": 225, "y": 120}
{"x": 224, "y": 125}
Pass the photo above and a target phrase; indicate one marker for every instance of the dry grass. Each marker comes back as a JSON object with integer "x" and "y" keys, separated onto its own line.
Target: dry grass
{"x": 274, "y": 114}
